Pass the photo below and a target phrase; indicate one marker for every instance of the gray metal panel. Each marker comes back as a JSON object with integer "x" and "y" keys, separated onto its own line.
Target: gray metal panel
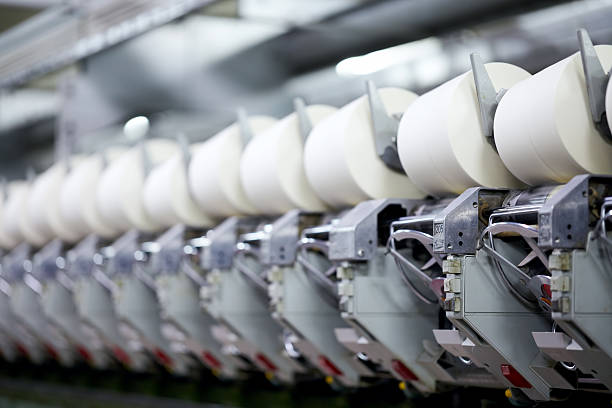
{"x": 355, "y": 236}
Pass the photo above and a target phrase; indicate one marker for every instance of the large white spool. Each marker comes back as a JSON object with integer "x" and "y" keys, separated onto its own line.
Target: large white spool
{"x": 43, "y": 205}
{"x": 167, "y": 198}
{"x": 10, "y": 234}
{"x": 440, "y": 140}
{"x": 543, "y": 127}
{"x": 16, "y": 220}
{"x": 214, "y": 171}
{"x": 119, "y": 193}
{"x": 78, "y": 195}
{"x": 272, "y": 166}
{"x": 340, "y": 154}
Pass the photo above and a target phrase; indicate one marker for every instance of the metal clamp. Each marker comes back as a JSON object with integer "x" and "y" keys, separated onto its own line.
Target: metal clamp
{"x": 3, "y": 189}
{"x": 183, "y": 143}
{"x": 246, "y": 132}
{"x": 147, "y": 163}
{"x": 596, "y": 83}
{"x": 385, "y": 130}
{"x": 488, "y": 98}
{"x": 304, "y": 122}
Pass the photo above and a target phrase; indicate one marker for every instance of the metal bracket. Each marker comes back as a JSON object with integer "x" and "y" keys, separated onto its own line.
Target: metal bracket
{"x": 14, "y": 263}
{"x": 81, "y": 257}
{"x": 170, "y": 255}
{"x": 457, "y": 228}
{"x": 278, "y": 241}
{"x": 122, "y": 261}
{"x": 385, "y": 130}
{"x": 104, "y": 158}
{"x": 596, "y": 83}
{"x": 355, "y": 236}
{"x": 246, "y": 133}
{"x": 221, "y": 245}
{"x": 4, "y": 188}
{"x": 45, "y": 264}
{"x": 186, "y": 153}
{"x": 488, "y": 97}
{"x": 30, "y": 175}
{"x": 304, "y": 122}
{"x": 183, "y": 143}
{"x": 564, "y": 218}
{"x": 147, "y": 165}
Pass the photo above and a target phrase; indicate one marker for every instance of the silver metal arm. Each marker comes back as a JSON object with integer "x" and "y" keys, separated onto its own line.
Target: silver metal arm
{"x": 304, "y": 122}
{"x": 246, "y": 133}
{"x": 596, "y": 83}
{"x": 322, "y": 277}
{"x": 385, "y": 130}
{"x": 488, "y": 97}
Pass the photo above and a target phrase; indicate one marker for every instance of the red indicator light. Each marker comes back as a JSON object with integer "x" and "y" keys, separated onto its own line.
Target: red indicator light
{"x": 514, "y": 376}
{"x": 269, "y": 365}
{"x": 121, "y": 355}
{"x": 85, "y": 354}
{"x": 404, "y": 372}
{"x": 329, "y": 367}
{"x": 163, "y": 357}
{"x": 51, "y": 351}
{"x": 22, "y": 350}
{"x": 546, "y": 291}
{"x": 211, "y": 360}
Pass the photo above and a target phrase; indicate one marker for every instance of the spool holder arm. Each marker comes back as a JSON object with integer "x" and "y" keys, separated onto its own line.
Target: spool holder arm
{"x": 488, "y": 97}
{"x": 304, "y": 122}
{"x": 596, "y": 80}
{"x": 385, "y": 128}
{"x": 246, "y": 133}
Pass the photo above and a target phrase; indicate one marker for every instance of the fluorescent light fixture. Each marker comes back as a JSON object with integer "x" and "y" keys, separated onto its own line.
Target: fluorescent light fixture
{"x": 388, "y": 57}
{"x": 136, "y": 128}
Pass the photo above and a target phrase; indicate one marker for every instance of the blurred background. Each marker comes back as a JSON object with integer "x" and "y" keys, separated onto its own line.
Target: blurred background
{"x": 73, "y": 71}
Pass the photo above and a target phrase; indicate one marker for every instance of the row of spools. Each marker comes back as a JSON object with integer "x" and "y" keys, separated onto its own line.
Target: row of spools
{"x": 543, "y": 133}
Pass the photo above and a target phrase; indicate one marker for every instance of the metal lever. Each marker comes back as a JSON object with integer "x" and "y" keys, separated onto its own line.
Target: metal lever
{"x": 30, "y": 175}
{"x": 104, "y": 159}
{"x": 246, "y": 133}
{"x": 488, "y": 98}
{"x": 321, "y": 278}
{"x": 385, "y": 130}
{"x": 596, "y": 83}
{"x": 434, "y": 284}
{"x": 526, "y": 294}
{"x": 4, "y": 188}
{"x": 147, "y": 165}
{"x": 304, "y": 122}
{"x": 184, "y": 147}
